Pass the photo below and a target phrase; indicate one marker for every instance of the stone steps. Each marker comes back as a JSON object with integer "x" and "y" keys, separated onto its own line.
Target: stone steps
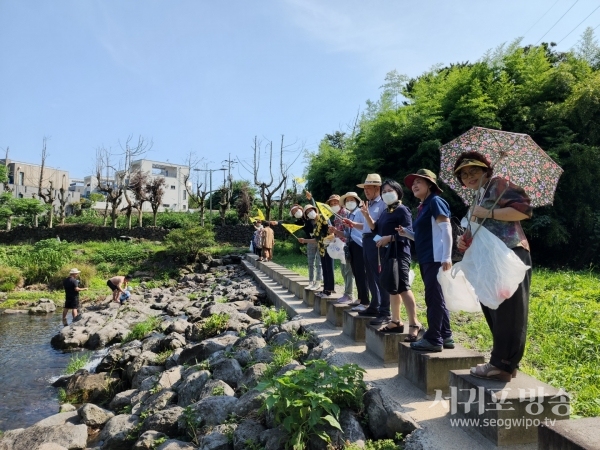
{"x": 443, "y": 378}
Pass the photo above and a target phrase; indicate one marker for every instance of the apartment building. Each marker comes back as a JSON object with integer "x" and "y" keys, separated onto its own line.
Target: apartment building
{"x": 175, "y": 196}
{"x": 24, "y": 179}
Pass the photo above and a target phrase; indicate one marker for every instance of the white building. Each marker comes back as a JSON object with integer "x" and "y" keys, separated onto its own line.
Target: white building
{"x": 175, "y": 196}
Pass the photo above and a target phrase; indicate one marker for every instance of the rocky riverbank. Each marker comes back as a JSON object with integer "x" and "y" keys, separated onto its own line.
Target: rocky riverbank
{"x": 182, "y": 369}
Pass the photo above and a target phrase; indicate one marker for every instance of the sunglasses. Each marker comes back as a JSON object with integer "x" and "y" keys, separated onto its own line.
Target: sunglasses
{"x": 470, "y": 173}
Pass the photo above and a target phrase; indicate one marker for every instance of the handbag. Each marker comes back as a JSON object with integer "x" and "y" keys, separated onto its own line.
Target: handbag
{"x": 389, "y": 272}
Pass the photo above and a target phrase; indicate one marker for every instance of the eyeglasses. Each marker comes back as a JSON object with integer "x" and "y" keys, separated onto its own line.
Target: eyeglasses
{"x": 470, "y": 173}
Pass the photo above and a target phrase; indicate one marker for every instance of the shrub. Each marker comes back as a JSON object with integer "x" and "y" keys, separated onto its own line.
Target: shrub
{"x": 119, "y": 253}
{"x": 302, "y": 400}
{"x": 187, "y": 243}
{"x": 10, "y": 278}
{"x": 43, "y": 260}
{"x": 141, "y": 329}
{"x": 214, "y": 325}
{"x": 76, "y": 363}
{"x": 173, "y": 220}
{"x": 87, "y": 273}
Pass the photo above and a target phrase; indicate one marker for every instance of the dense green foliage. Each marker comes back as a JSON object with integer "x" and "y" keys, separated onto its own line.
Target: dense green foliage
{"x": 141, "y": 329}
{"x": 553, "y": 97}
{"x": 187, "y": 243}
{"x": 303, "y": 400}
{"x": 10, "y": 278}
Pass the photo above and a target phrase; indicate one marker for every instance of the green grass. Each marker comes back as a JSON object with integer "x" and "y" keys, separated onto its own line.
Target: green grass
{"x": 563, "y": 341}
{"x": 287, "y": 254}
{"x": 272, "y": 316}
{"x": 76, "y": 363}
{"x": 142, "y": 329}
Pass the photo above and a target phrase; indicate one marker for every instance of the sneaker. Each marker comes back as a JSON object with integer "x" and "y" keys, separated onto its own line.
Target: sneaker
{"x": 316, "y": 286}
{"x": 449, "y": 343}
{"x": 354, "y": 303}
{"x": 368, "y": 312}
{"x": 359, "y": 308}
{"x": 423, "y": 345}
{"x": 344, "y": 299}
{"x": 323, "y": 294}
{"x": 310, "y": 285}
{"x": 381, "y": 320}
{"x": 490, "y": 372}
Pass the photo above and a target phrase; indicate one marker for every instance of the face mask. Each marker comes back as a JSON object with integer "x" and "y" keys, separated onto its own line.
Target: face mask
{"x": 336, "y": 208}
{"x": 351, "y": 205}
{"x": 389, "y": 197}
{"x": 298, "y": 214}
{"x": 311, "y": 215}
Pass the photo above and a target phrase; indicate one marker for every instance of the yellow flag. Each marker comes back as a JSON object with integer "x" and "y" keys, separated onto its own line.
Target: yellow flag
{"x": 291, "y": 227}
{"x": 260, "y": 215}
{"x": 325, "y": 210}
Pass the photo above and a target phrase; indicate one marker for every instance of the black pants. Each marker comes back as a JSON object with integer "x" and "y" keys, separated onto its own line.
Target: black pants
{"x": 380, "y": 299}
{"x": 508, "y": 323}
{"x": 328, "y": 278}
{"x": 357, "y": 263}
{"x": 258, "y": 251}
{"x": 438, "y": 317}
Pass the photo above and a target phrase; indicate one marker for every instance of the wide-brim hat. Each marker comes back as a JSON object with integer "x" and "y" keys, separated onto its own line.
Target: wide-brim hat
{"x": 426, "y": 175}
{"x": 373, "y": 179}
{"x": 309, "y": 207}
{"x": 74, "y": 271}
{"x": 333, "y": 197}
{"x": 294, "y": 206}
{"x": 350, "y": 195}
{"x": 468, "y": 163}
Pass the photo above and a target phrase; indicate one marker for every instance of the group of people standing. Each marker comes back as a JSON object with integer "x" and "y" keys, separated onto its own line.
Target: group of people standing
{"x": 370, "y": 227}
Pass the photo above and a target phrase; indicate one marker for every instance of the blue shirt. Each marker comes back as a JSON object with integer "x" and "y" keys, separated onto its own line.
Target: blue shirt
{"x": 353, "y": 233}
{"x": 428, "y": 235}
{"x": 376, "y": 207}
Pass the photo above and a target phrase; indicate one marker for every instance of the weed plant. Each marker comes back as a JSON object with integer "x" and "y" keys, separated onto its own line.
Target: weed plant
{"x": 213, "y": 326}
{"x": 77, "y": 362}
{"x": 10, "y": 278}
{"x": 305, "y": 399}
{"x": 272, "y": 316}
{"x": 163, "y": 356}
{"x": 142, "y": 329}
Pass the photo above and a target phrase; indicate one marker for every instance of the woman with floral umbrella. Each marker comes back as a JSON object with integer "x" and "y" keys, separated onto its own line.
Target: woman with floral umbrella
{"x": 500, "y": 208}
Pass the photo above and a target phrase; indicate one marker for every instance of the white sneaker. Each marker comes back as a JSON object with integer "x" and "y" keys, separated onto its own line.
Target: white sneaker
{"x": 359, "y": 308}
{"x": 316, "y": 286}
{"x": 311, "y": 285}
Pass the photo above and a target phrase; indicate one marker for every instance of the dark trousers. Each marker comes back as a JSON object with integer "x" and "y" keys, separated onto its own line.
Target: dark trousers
{"x": 258, "y": 251}
{"x": 357, "y": 263}
{"x": 438, "y": 317}
{"x": 508, "y": 323}
{"x": 380, "y": 299}
{"x": 327, "y": 267}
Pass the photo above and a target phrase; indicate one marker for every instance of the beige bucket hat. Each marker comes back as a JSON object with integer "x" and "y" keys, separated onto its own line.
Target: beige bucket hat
{"x": 373, "y": 179}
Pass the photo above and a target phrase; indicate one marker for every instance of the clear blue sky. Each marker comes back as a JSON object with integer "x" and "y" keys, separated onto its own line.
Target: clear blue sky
{"x": 207, "y": 75}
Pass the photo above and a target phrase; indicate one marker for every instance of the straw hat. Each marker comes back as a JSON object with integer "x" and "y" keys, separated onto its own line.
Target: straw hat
{"x": 426, "y": 175}
{"x": 350, "y": 194}
{"x": 469, "y": 162}
{"x": 373, "y": 179}
{"x": 333, "y": 197}
{"x": 74, "y": 271}
{"x": 294, "y": 206}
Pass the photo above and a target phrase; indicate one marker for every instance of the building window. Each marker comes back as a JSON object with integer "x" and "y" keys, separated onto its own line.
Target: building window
{"x": 172, "y": 187}
{"x": 21, "y": 178}
{"x": 185, "y": 195}
{"x": 184, "y": 207}
{"x": 166, "y": 205}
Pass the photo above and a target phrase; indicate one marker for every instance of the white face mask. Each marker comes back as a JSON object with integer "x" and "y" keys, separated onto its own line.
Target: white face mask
{"x": 351, "y": 205}
{"x": 298, "y": 214}
{"x": 336, "y": 208}
{"x": 389, "y": 197}
{"x": 311, "y": 215}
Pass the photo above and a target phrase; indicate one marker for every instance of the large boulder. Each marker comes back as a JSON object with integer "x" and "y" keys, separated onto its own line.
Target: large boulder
{"x": 250, "y": 343}
{"x": 191, "y": 387}
{"x": 202, "y": 351}
{"x": 252, "y": 375}
{"x": 122, "y": 399}
{"x": 43, "y": 306}
{"x": 376, "y": 412}
{"x": 249, "y": 431}
{"x": 115, "y": 435}
{"x": 218, "y": 438}
{"x": 248, "y": 403}
{"x": 147, "y": 440}
{"x": 156, "y": 402}
{"x": 94, "y": 416}
{"x": 66, "y": 435}
{"x": 274, "y": 438}
{"x": 143, "y": 373}
{"x": 215, "y": 388}
{"x": 164, "y": 421}
{"x": 213, "y": 410}
{"x": 112, "y": 332}
{"x": 227, "y": 370}
{"x": 175, "y": 444}
{"x": 91, "y": 387}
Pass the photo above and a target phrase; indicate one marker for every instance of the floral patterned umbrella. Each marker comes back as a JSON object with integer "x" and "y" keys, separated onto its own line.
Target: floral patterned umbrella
{"x": 514, "y": 156}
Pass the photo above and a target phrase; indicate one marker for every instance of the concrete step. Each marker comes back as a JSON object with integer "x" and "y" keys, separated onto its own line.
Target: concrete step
{"x": 335, "y": 313}
{"x": 430, "y": 371}
{"x": 309, "y": 297}
{"x": 505, "y": 413}
{"x": 296, "y": 284}
{"x": 282, "y": 276}
{"x": 320, "y": 305}
{"x": 354, "y": 325}
{"x": 579, "y": 434}
{"x": 383, "y": 345}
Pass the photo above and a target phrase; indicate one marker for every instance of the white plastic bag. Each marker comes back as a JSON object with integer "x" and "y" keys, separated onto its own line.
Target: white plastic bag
{"x": 336, "y": 250}
{"x": 251, "y": 249}
{"x": 459, "y": 295}
{"x": 411, "y": 276}
{"x": 491, "y": 267}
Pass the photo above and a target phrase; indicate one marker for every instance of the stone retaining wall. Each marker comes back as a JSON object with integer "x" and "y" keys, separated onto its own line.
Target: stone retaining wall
{"x": 242, "y": 234}
{"x": 80, "y": 233}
